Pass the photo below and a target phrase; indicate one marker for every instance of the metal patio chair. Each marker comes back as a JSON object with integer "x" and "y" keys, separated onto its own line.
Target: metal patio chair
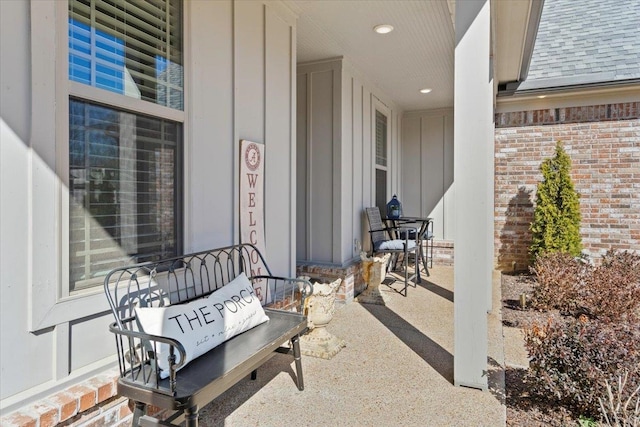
{"x": 383, "y": 240}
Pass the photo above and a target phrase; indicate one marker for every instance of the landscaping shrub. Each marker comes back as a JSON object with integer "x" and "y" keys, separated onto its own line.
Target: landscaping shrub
{"x": 573, "y": 360}
{"x": 559, "y": 279}
{"x": 556, "y": 217}
{"x": 578, "y": 360}
{"x": 612, "y": 290}
{"x": 619, "y": 411}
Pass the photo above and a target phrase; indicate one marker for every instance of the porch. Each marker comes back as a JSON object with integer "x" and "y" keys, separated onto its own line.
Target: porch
{"x": 397, "y": 369}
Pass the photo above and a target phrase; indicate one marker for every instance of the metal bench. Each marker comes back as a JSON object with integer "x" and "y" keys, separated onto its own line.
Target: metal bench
{"x": 181, "y": 280}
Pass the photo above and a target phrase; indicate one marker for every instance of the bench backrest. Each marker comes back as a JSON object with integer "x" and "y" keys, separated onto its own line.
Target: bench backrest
{"x": 188, "y": 277}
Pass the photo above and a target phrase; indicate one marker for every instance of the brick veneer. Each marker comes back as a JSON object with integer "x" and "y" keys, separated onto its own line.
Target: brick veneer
{"x": 91, "y": 403}
{"x": 604, "y": 144}
{"x": 443, "y": 252}
{"x": 351, "y": 275}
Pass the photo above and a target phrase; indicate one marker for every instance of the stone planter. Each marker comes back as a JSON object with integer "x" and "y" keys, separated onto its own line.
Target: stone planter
{"x": 320, "y": 307}
{"x": 374, "y": 270}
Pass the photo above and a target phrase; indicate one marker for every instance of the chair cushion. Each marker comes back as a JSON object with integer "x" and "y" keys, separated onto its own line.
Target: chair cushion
{"x": 428, "y": 235}
{"x": 393, "y": 245}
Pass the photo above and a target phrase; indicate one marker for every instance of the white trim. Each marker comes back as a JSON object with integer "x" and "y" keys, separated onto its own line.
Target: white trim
{"x": 378, "y": 105}
{"x": 293, "y": 145}
{"x": 578, "y": 98}
{"x": 284, "y": 11}
{"x": 124, "y": 102}
{"x": 44, "y": 267}
{"x": 187, "y": 125}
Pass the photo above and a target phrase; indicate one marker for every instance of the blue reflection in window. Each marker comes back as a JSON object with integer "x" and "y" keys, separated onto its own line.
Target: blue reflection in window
{"x": 105, "y": 70}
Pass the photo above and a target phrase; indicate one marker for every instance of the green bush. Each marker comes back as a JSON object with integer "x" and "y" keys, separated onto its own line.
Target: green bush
{"x": 556, "y": 217}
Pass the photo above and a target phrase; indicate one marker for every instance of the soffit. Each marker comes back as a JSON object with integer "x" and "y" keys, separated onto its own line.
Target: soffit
{"x": 419, "y": 53}
{"x": 512, "y": 21}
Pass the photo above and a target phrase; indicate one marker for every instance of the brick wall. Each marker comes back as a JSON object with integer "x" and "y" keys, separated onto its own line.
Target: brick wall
{"x": 351, "y": 275}
{"x": 443, "y": 252}
{"x": 604, "y": 144}
{"x": 91, "y": 403}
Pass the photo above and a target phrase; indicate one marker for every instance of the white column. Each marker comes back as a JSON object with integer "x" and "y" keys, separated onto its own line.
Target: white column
{"x": 474, "y": 191}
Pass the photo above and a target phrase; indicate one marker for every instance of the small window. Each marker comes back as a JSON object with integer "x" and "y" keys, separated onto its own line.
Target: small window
{"x": 381, "y": 161}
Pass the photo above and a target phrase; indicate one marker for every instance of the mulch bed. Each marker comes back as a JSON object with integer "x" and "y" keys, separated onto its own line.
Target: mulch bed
{"x": 523, "y": 407}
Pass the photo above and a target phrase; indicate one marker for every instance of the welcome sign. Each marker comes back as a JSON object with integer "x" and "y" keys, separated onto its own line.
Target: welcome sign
{"x": 252, "y": 209}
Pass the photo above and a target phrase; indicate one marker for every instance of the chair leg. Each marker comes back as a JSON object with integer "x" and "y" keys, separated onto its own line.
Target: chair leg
{"x": 417, "y": 266}
{"x": 138, "y": 412}
{"x": 191, "y": 416}
{"x": 405, "y": 263}
{"x": 424, "y": 255}
{"x": 295, "y": 343}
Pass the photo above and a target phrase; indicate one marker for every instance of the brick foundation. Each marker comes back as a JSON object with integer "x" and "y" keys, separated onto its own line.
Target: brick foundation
{"x": 443, "y": 252}
{"x": 603, "y": 142}
{"x": 351, "y": 275}
{"x": 91, "y": 403}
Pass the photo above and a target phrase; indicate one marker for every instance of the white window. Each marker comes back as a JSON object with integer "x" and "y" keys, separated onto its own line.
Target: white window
{"x": 381, "y": 163}
{"x": 126, "y": 98}
{"x": 107, "y": 142}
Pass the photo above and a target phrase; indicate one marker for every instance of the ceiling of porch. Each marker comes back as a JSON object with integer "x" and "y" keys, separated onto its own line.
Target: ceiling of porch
{"x": 417, "y": 54}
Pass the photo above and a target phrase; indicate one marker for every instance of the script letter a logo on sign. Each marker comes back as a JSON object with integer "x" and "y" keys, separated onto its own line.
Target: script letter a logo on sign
{"x": 252, "y": 209}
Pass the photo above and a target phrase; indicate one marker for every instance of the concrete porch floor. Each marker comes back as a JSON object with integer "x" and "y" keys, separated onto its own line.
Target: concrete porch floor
{"x": 396, "y": 370}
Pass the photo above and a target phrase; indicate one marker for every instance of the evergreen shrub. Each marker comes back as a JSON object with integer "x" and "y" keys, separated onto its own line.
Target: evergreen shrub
{"x": 556, "y": 217}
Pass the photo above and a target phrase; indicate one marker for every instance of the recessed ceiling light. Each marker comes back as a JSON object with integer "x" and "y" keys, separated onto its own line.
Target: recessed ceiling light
{"x": 383, "y": 28}
{"x": 542, "y": 96}
{"x": 425, "y": 90}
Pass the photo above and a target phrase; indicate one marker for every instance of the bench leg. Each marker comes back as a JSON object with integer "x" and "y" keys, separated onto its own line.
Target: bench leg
{"x": 139, "y": 411}
{"x": 191, "y": 417}
{"x": 295, "y": 343}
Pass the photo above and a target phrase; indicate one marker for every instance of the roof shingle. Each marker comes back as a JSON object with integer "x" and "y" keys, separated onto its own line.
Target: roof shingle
{"x": 588, "y": 40}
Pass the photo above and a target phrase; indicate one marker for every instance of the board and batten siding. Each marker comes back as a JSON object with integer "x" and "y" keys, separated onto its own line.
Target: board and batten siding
{"x": 427, "y": 168}
{"x": 335, "y": 162}
{"x": 239, "y": 84}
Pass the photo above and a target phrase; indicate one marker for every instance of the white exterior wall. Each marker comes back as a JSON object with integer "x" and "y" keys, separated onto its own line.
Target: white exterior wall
{"x": 427, "y": 169}
{"x": 239, "y": 84}
{"x": 336, "y": 159}
{"x": 473, "y": 118}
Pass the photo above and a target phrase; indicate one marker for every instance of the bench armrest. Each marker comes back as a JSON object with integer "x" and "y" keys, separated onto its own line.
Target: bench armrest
{"x": 139, "y": 349}
{"x": 286, "y": 291}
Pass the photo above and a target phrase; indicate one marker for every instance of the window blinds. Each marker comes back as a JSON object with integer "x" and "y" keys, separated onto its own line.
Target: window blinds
{"x": 133, "y": 48}
{"x": 124, "y": 190}
{"x": 381, "y": 139}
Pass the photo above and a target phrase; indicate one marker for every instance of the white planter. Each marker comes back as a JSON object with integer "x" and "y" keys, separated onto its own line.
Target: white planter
{"x": 320, "y": 307}
{"x": 374, "y": 271}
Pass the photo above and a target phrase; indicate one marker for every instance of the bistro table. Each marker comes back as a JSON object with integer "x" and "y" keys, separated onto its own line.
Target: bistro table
{"x": 424, "y": 225}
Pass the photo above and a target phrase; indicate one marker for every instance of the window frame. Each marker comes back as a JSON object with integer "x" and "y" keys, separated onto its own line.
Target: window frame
{"x": 50, "y": 302}
{"x": 378, "y": 106}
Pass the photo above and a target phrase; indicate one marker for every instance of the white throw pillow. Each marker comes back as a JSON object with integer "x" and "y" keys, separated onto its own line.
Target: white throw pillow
{"x": 205, "y": 323}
